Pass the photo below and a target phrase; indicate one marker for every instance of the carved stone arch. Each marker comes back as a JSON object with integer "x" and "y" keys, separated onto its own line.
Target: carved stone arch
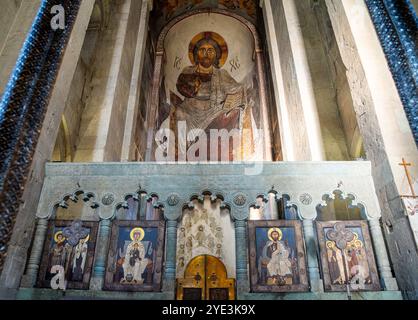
{"x": 62, "y": 149}
{"x": 206, "y": 229}
{"x": 64, "y": 202}
{"x": 294, "y": 205}
{"x": 251, "y": 27}
{"x": 127, "y": 206}
{"x": 332, "y": 207}
{"x": 214, "y": 194}
{"x": 188, "y": 204}
{"x": 152, "y": 201}
{"x": 100, "y": 15}
{"x": 260, "y": 70}
{"x": 263, "y": 196}
{"x": 253, "y": 204}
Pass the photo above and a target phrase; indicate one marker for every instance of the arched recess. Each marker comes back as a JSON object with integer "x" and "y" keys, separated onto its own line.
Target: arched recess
{"x": 341, "y": 207}
{"x": 79, "y": 205}
{"x": 273, "y": 206}
{"x": 62, "y": 150}
{"x": 206, "y": 228}
{"x": 155, "y": 110}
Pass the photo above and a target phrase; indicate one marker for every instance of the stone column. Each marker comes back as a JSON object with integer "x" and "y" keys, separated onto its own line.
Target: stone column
{"x": 29, "y": 279}
{"x": 278, "y": 82}
{"x": 170, "y": 258}
{"x": 298, "y": 112}
{"x": 268, "y": 151}
{"x": 152, "y": 110}
{"x": 104, "y": 116}
{"x": 102, "y": 248}
{"x": 133, "y": 102}
{"x": 312, "y": 256}
{"x": 273, "y": 207}
{"x": 142, "y": 207}
{"x": 241, "y": 255}
{"x": 305, "y": 83}
{"x": 372, "y": 86}
{"x": 382, "y": 259}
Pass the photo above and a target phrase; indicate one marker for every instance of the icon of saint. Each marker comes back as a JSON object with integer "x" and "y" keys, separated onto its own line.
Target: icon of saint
{"x": 276, "y": 259}
{"x": 60, "y": 252}
{"x": 336, "y": 263}
{"x": 135, "y": 262}
{"x": 79, "y": 259}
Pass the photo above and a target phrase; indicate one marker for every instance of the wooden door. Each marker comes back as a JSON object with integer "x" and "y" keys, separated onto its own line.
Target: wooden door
{"x": 205, "y": 278}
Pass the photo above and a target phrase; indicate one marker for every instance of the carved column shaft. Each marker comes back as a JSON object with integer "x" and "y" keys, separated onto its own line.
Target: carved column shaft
{"x": 99, "y": 268}
{"x": 170, "y": 263}
{"x": 304, "y": 79}
{"x": 241, "y": 254}
{"x": 152, "y": 110}
{"x": 278, "y": 81}
{"x": 312, "y": 256}
{"x": 382, "y": 259}
{"x": 142, "y": 208}
{"x": 268, "y": 152}
{"x": 29, "y": 279}
{"x": 134, "y": 96}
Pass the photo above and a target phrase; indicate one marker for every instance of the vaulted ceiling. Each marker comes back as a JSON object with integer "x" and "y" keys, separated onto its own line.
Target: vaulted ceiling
{"x": 166, "y": 10}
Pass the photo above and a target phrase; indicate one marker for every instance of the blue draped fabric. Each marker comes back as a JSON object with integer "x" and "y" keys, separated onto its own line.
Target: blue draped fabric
{"x": 23, "y": 107}
{"x": 396, "y": 23}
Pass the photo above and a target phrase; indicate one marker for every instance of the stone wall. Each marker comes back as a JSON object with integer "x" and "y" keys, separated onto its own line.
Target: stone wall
{"x": 298, "y": 180}
{"x": 341, "y": 93}
{"x": 144, "y": 101}
{"x": 383, "y": 126}
{"x": 293, "y": 99}
{"x": 15, "y": 25}
{"x": 327, "y": 90}
{"x": 8, "y": 13}
{"x": 102, "y": 124}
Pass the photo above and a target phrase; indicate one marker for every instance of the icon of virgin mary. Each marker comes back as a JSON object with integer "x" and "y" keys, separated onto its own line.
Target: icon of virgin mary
{"x": 135, "y": 262}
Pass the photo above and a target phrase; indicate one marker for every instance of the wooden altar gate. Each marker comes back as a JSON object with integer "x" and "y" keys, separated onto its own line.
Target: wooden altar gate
{"x": 205, "y": 278}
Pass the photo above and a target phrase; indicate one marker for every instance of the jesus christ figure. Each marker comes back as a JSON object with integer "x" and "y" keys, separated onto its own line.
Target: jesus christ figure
{"x": 212, "y": 97}
{"x": 210, "y": 93}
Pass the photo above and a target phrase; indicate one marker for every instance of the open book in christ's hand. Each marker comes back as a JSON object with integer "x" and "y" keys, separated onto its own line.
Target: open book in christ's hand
{"x": 233, "y": 101}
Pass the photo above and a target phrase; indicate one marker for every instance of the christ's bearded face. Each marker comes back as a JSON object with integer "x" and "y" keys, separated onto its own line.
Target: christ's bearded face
{"x": 206, "y": 55}
{"x": 275, "y": 236}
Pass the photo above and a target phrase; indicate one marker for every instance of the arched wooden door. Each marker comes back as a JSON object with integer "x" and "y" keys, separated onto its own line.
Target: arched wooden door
{"x": 205, "y": 278}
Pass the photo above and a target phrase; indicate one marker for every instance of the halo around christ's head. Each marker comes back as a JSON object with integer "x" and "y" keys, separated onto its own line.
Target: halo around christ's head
{"x": 222, "y": 54}
{"x": 271, "y": 230}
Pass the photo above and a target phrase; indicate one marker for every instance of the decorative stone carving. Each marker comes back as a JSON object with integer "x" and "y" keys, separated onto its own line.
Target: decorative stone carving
{"x": 306, "y": 199}
{"x": 240, "y": 200}
{"x": 108, "y": 199}
{"x": 202, "y": 231}
{"x": 173, "y": 199}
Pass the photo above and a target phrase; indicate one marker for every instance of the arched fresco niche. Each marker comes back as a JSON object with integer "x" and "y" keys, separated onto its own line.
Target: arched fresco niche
{"x": 210, "y": 83}
{"x": 338, "y": 206}
{"x": 273, "y": 206}
{"x": 79, "y": 205}
{"x": 140, "y": 206}
{"x": 129, "y": 209}
{"x": 206, "y": 228}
